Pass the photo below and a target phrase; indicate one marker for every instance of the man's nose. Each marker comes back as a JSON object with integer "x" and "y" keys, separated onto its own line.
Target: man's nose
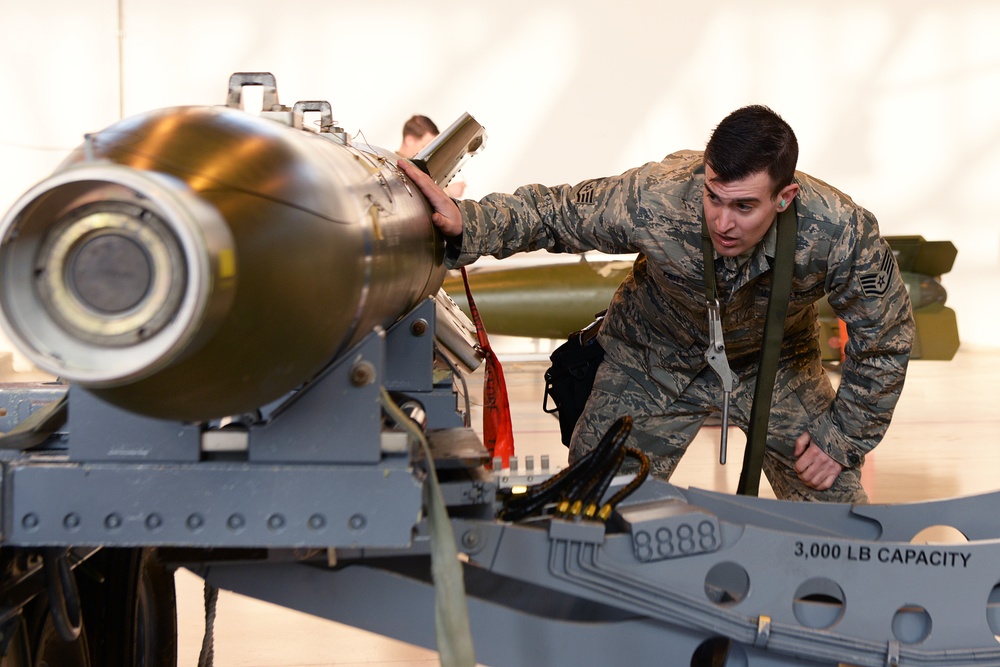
{"x": 725, "y": 221}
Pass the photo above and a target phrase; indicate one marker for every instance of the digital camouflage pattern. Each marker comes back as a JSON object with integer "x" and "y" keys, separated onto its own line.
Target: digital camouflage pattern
{"x": 656, "y": 330}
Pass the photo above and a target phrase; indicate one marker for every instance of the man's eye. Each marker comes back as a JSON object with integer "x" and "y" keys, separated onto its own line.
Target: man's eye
{"x": 744, "y": 208}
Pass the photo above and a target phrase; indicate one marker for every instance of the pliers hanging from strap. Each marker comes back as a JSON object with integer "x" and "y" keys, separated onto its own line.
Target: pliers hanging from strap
{"x": 715, "y": 355}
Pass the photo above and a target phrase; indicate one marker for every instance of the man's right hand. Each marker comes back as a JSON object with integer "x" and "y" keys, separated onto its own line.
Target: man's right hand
{"x": 815, "y": 468}
{"x": 446, "y": 215}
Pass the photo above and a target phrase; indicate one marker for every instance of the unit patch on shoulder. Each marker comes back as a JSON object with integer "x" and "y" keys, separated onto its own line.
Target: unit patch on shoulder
{"x": 876, "y": 284}
{"x": 585, "y": 195}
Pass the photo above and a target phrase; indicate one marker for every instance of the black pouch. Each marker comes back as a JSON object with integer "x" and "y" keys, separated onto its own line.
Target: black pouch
{"x": 570, "y": 378}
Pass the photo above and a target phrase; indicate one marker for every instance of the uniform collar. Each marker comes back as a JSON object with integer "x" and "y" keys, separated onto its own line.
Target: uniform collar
{"x": 745, "y": 268}
{"x": 769, "y": 243}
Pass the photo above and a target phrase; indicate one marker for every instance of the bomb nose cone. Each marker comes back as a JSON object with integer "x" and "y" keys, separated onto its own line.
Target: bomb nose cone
{"x": 111, "y": 273}
{"x": 108, "y": 274}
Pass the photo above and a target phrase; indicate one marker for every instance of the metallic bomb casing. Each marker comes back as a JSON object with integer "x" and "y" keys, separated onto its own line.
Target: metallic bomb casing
{"x": 196, "y": 262}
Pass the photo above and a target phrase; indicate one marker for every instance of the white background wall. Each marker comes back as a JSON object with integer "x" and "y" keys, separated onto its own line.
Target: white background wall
{"x": 895, "y": 102}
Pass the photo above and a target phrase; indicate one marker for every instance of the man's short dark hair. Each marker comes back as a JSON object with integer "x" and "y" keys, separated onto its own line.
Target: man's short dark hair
{"x": 417, "y": 126}
{"x": 751, "y": 140}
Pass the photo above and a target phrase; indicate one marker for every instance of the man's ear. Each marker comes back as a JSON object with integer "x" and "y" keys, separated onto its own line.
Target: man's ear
{"x": 786, "y": 195}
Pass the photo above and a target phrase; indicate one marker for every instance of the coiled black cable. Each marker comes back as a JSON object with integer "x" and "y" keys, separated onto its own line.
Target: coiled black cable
{"x": 586, "y": 480}
{"x": 604, "y": 459}
{"x": 591, "y": 501}
{"x": 563, "y": 485}
{"x": 627, "y": 490}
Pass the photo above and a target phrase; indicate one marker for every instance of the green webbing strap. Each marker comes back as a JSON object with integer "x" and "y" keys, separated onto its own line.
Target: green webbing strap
{"x": 774, "y": 331}
{"x": 451, "y": 613}
{"x": 706, "y": 249}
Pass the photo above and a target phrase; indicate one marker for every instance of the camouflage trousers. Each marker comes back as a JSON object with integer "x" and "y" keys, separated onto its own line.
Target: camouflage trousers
{"x": 663, "y": 429}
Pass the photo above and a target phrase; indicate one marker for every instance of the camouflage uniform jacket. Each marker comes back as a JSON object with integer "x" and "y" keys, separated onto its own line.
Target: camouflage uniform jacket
{"x": 657, "y": 322}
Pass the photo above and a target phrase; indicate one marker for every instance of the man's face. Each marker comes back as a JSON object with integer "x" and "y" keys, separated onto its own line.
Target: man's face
{"x": 738, "y": 214}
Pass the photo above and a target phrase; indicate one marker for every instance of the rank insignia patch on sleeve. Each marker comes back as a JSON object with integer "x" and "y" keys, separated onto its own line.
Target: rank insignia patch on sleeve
{"x": 876, "y": 284}
{"x": 585, "y": 195}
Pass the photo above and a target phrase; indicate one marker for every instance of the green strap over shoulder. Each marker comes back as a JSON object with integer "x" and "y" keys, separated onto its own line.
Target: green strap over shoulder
{"x": 767, "y": 370}
{"x": 711, "y": 292}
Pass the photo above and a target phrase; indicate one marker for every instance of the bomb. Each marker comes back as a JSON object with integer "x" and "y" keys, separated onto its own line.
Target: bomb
{"x": 195, "y": 262}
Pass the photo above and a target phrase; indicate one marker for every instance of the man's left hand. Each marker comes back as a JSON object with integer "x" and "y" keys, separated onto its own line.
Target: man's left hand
{"x": 814, "y": 466}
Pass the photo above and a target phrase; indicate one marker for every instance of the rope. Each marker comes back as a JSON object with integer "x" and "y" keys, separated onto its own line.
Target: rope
{"x": 208, "y": 641}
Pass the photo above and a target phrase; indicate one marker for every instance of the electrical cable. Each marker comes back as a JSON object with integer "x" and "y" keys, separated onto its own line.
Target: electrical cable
{"x": 606, "y": 455}
{"x": 591, "y": 503}
{"x": 573, "y": 485}
{"x": 64, "y": 597}
{"x": 629, "y": 488}
{"x": 554, "y": 489}
{"x": 552, "y": 486}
